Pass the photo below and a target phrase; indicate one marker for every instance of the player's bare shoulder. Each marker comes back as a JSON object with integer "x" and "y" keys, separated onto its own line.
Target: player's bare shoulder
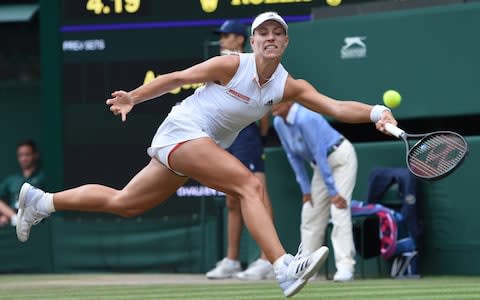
{"x": 226, "y": 66}
{"x": 227, "y": 62}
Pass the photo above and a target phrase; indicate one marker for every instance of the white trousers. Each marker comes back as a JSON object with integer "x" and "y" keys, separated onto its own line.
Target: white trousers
{"x": 343, "y": 162}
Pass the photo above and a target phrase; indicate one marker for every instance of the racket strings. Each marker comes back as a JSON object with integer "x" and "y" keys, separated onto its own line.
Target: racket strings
{"x": 442, "y": 160}
{"x": 433, "y": 154}
{"x": 436, "y": 154}
{"x": 438, "y": 159}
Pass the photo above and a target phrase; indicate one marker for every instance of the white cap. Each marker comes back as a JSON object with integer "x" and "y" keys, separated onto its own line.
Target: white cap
{"x": 266, "y": 16}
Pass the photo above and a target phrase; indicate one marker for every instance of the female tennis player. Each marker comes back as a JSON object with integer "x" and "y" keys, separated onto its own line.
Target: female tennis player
{"x": 190, "y": 142}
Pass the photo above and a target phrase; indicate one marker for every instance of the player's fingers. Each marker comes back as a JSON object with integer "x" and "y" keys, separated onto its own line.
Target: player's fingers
{"x": 115, "y": 110}
{"x": 387, "y": 117}
{"x": 380, "y": 125}
{"x": 117, "y": 93}
{"x": 124, "y": 116}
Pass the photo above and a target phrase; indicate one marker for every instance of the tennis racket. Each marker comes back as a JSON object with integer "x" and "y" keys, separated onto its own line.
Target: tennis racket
{"x": 435, "y": 154}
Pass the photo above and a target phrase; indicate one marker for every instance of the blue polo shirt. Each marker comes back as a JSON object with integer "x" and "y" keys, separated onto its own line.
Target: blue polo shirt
{"x": 307, "y": 136}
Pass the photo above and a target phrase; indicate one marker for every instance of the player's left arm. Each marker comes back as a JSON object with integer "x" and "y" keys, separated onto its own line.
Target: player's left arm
{"x": 347, "y": 111}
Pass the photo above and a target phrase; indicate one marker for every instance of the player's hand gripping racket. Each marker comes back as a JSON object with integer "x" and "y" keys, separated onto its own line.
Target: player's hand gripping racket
{"x": 435, "y": 155}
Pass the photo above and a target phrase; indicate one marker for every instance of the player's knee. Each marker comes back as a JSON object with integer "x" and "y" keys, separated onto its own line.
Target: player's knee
{"x": 252, "y": 189}
{"x": 257, "y": 185}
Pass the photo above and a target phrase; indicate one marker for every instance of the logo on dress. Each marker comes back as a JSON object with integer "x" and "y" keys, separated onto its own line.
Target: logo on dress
{"x": 269, "y": 102}
{"x": 238, "y": 95}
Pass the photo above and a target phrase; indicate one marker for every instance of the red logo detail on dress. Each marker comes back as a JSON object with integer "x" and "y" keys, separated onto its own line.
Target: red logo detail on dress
{"x": 239, "y": 95}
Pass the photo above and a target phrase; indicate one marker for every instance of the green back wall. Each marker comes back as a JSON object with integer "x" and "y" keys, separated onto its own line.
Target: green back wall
{"x": 429, "y": 55}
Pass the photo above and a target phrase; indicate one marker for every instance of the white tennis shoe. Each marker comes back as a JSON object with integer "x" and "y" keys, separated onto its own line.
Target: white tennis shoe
{"x": 258, "y": 270}
{"x": 226, "y": 268}
{"x": 294, "y": 272}
{"x": 343, "y": 275}
{"x": 28, "y": 214}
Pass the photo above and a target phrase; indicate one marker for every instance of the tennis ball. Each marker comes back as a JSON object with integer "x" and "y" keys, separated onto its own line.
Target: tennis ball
{"x": 334, "y": 2}
{"x": 392, "y": 98}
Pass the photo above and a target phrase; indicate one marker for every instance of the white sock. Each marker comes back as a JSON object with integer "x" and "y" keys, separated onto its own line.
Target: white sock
{"x": 46, "y": 204}
{"x": 279, "y": 262}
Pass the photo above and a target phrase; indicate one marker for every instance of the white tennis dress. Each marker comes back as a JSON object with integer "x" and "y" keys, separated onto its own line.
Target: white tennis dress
{"x": 220, "y": 112}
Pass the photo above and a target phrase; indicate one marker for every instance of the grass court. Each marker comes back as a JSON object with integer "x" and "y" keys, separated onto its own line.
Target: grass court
{"x": 175, "y": 286}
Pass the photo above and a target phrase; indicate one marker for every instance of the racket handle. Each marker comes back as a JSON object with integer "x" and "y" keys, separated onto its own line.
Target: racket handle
{"x": 394, "y": 130}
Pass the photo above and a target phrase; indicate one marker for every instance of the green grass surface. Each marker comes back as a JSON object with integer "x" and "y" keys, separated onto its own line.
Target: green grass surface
{"x": 79, "y": 287}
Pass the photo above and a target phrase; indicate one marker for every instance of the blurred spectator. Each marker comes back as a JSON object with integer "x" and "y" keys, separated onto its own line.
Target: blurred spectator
{"x": 28, "y": 160}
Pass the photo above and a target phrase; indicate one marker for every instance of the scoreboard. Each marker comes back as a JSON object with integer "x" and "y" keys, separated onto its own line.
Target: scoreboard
{"x": 106, "y": 11}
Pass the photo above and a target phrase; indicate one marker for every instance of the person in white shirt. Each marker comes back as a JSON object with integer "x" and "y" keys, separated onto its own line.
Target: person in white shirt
{"x": 191, "y": 142}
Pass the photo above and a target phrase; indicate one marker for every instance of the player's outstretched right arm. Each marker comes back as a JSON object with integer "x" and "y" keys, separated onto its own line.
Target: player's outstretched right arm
{"x": 217, "y": 69}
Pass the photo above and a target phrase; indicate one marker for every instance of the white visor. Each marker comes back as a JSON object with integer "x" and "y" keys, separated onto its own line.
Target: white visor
{"x": 266, "y": 16}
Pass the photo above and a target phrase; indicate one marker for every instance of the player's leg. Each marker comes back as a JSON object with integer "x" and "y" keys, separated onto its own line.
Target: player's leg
{"x": 204, "y": 161}
{"x": 151, "y": 186}
{"x": 148, "y": 188}
{"x": 344, "y": 166}
{"x": 261, "y": 268}
{"x": 207, "y": 163}
{"x": 249, "y": 150}
{"x": 230, "y": 265}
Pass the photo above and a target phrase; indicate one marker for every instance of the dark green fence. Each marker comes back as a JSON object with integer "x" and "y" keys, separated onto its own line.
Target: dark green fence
{"x": 20, "y": 118}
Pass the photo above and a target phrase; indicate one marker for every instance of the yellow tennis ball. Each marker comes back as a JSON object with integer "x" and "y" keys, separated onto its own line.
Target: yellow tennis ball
{"x": 392, "y": 98}
{"x": 334, "y": 2}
